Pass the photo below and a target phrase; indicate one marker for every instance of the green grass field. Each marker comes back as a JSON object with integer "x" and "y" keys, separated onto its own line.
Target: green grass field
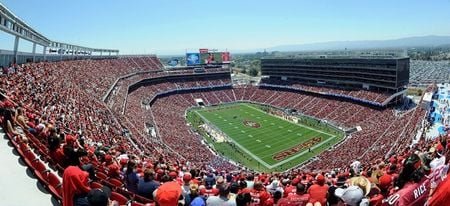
{"x": 260, "y": 140}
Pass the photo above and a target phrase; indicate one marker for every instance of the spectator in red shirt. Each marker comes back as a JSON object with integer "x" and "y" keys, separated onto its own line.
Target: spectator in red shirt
{"x": 75, "y": 183}
{"x": 291, "y": 189}
{"x": 414, "y": 186}
{"x": 318, "y": 191}
{"x": 208, "y": 190}
{"x": 258, "y": 193}
{"x": 297, "y": 199}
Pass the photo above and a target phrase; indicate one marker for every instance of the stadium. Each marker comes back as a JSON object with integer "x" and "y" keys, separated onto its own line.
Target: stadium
{"x": 119, "y": 121}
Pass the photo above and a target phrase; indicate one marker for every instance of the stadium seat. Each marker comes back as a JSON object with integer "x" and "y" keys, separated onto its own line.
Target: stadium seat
{"x": 21, "y": 148}
{"x": 41, "y": 172}
{"x": 114, "y": 183}
{"x": 39, "y": 166}
{"x": 59, "y": 169}
{"x": 101, "y": 175}
{"x": 29, "y": 158}
{"x": 42, "y": 150}
{"x": 33, "y": 140}
{"x": 95, "y": 185}
{"x": 54, "y": 180}
{"x": 125, "y": 192}
{"x": 122, "y": 200}
{"x": 55, "y": 186}
{"x": 142, "y": 199}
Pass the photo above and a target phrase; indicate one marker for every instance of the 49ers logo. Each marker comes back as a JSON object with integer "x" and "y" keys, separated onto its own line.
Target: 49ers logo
{"x": 252, "y": 124}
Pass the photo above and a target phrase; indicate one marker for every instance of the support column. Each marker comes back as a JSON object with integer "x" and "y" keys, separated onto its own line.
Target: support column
{"x": 34, "y": 52}
{"x": 61, "y": 50}
{"x": 45, "y": 53}
{"x": 16, "y": 48}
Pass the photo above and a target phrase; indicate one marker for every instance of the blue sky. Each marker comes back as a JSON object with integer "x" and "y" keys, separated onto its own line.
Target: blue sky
{"x": 169, "y": 26}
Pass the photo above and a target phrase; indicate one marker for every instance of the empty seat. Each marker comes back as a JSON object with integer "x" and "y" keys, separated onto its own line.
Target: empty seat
{"x": 122, "y": 200}
{"x": 55, "y": 186}
{"x": 96, "y": 185}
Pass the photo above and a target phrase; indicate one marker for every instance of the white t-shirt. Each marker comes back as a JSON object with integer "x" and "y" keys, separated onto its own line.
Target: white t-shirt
{"x": 220, "y": 201}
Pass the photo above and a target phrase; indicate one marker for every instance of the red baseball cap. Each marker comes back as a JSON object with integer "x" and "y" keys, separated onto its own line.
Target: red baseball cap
{"x": 187, "y": 177}
{"x": 320, "y": 179}
{"x": 108, "y": 158}
{"x": 385, "y": 181}
{"x": 173, "y": 174}
{"x": 70, "y": 138}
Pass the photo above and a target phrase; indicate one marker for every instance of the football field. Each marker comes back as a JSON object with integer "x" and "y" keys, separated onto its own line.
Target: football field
{"x": 269, "y": 140}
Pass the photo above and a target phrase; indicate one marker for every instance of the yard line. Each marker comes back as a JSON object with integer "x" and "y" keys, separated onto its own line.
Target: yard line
{"x": 301, "y": 125}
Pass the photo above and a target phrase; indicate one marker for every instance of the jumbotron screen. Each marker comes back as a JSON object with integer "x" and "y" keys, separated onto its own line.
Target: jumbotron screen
{"x": 206, "y": 56}
{"x": 192, "y": 59}
{"x": 211, "y": 58}
{"x": 215, "y": 58}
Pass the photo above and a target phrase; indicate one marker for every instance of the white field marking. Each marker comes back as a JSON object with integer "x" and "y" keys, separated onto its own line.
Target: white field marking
{"x": 235, "y": 127}
{"x": 250, "y": 135}
{"x": 301, "y": 125}
{"x": 258, "y": 140}
{"x": 289, "y": 130}
{"x": 225, "y": 120}
{"x": 268, "y": 146}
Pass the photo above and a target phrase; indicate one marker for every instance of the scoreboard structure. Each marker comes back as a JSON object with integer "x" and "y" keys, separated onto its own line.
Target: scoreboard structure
{"x": 207, "y": 57}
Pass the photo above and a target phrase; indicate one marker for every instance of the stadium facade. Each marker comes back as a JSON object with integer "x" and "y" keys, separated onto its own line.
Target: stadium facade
{"x": 386, "y": 75}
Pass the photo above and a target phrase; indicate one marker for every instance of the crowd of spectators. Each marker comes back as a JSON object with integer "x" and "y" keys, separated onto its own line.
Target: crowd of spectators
{"x": 362, "y": 95}
{"x": 63, "y": 111}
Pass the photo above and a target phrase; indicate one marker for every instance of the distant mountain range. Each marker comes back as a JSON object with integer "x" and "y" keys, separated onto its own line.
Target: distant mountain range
{"x": 422, "y": 41}
{"x": 409, "y": 42}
